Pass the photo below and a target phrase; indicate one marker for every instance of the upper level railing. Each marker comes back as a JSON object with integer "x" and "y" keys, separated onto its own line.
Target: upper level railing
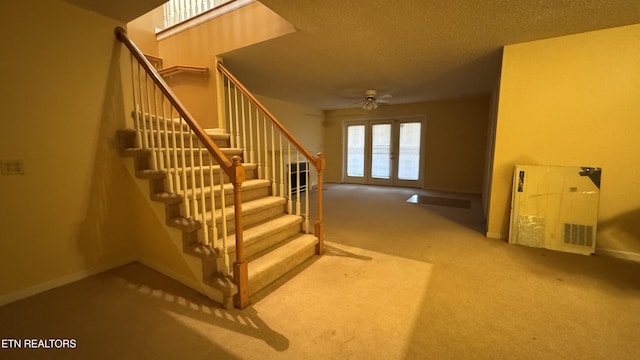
{"x": 177, "y": 11}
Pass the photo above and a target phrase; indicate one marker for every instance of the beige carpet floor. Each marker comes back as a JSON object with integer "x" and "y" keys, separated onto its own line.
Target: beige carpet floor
{"x": 399, "y": 281}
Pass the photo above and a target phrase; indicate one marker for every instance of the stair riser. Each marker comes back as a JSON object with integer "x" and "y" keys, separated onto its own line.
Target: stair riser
{"x": 159, "y": 186}
{"x": 179, "y": 144}
{"x": 126, "y": 139}
{"x": 250, "y": 174}
{"x": 188, "y": 161}
{"x": 129, "y": 138}
{"x": 173, "y": 130}
{"x": 266, "y": 242}
{"x": 249, "y": 219}
{"x": 247, "y": 195}
{"x": 144, "y": 161}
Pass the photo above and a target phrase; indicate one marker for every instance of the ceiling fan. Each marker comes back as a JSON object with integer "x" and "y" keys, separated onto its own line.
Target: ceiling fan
{"x": 371, "y": 101}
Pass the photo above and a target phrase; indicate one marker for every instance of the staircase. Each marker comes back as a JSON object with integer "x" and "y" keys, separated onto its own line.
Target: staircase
{"x": 238, "y": 218}
{"x": 274, "y": 241}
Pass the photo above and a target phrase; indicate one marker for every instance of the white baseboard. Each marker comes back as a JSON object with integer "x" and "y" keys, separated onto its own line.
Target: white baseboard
{"x": 626, "y": 255}
{"x": 492, "y": 235}
{"x": 54, "y": 283}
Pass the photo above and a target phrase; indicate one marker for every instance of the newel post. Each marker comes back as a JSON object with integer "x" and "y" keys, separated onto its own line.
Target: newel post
{"x": 319, "y": 226}
{"x": 240, "y": 266}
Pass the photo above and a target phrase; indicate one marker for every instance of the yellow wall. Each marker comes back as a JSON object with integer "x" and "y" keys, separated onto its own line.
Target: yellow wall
{"x": 573, "y": 100}
{"x": 142, "y": 31}
{"x": 455, "y": 143}
{"x": 67, "y": 216}
{"x": 305, "y": 123}
{"x": 200, "y": 45}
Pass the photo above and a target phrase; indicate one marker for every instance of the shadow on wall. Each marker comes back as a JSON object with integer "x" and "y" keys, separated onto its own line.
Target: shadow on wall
{"x": 102, "y": 235}
{"x": 623, "y": 230}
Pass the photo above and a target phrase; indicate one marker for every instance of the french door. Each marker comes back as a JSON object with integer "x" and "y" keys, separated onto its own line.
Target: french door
{"x": 384, "y": 152}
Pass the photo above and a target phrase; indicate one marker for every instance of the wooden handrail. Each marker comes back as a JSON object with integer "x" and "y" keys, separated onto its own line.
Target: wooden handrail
{"x": 174, "y": 70}
{"x": 313, "y": 159}
{"x": 223, "y": 161}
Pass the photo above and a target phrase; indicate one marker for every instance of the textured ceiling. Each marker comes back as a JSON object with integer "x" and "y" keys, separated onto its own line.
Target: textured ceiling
{"x": 414, "y": 50}
{"x": 123, "y": 10}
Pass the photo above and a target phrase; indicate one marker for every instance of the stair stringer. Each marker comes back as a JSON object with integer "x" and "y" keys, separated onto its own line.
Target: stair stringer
{"x": 201, "y": 262}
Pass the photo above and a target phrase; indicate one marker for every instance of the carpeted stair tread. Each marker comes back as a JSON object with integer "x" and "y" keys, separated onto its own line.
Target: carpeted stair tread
{"x": 271, "y": 266}
{"x": 250, "y": 207}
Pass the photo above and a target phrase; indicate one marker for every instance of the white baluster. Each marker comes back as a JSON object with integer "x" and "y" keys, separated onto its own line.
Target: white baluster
{"x": 136, "y": 116}
{"x": 298, "y": 210}
{"x": 273, "y": 163}
{"x": 158, "y": 140}
{"x": 166, "y": 15}
{"x": 244, "y": 129}
{"x": 174, "y": 149}
{"x": 306, "y": 197}
{"x": 223, "y": 211}
{"x": 187, "y": 9}
{"x": 185, "y": 196}
{"x": 237, "y": 117}
{"x": 258, "y": 149}
{"x": 194, "y": 196}
{"x": 281, "y": 166}
{"x": 214, "y": 223}
{"x": 203, "y": 203}
{"x": 289, "y": 185}
{"x": 174, "y": 12}
{"x": 145, "y": 140}
{"x": 232, "y": 138}
{"x": 167, "y": 160}
{"x": 251, "y": 154}
{"x": 152, "y": 143}
{"x": 183, "y": 10}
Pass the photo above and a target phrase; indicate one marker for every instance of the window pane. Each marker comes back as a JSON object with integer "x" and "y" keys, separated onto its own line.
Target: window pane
{"x": 381, "y": 151}
{"x": 355, "y": 150}
{"x": 409, "y": 156}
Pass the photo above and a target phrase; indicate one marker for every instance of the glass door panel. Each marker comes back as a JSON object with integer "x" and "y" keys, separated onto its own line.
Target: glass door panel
{"x": 409, "y": 151}
{"x": 381, "y": 151}
{"x": 355, "y": 150}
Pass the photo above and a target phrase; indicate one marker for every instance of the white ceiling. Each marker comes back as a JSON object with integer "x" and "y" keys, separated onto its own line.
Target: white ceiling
{"x": 415, "y": 50}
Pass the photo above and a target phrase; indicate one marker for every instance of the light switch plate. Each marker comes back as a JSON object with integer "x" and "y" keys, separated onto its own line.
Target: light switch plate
{"x": 12, "y": 167}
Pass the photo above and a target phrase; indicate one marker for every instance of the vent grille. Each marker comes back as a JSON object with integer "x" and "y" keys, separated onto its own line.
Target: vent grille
{"x": 580, "y": 235}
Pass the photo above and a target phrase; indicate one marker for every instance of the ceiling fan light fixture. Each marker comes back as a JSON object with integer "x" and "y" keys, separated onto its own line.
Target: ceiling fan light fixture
{"x": 370, "y": 103}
